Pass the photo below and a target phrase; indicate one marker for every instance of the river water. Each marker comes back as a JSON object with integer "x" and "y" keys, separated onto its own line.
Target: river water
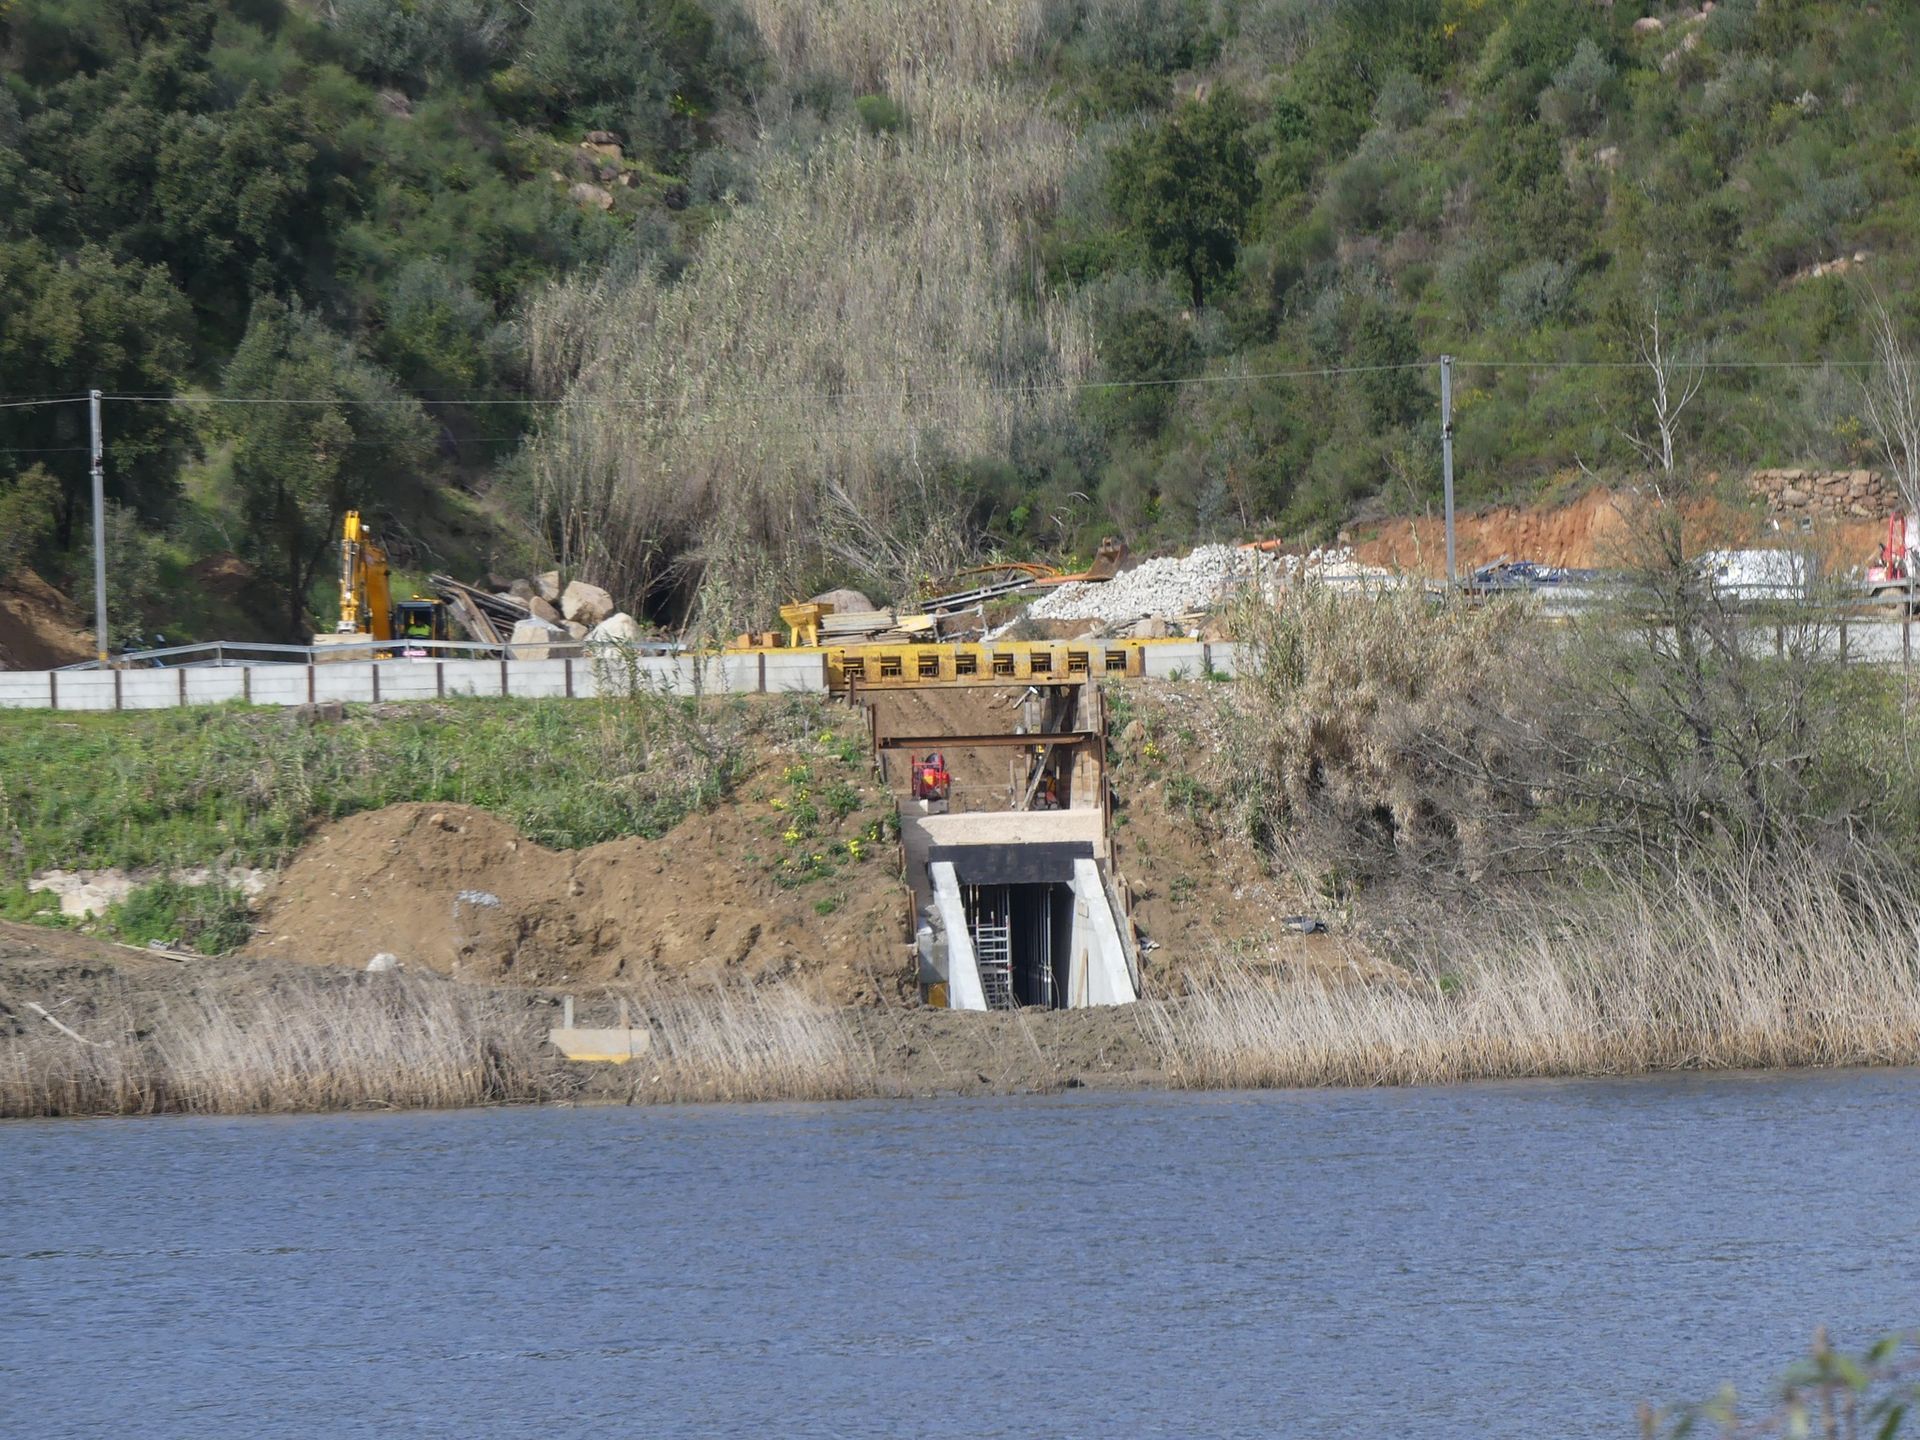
{"x": 1497, "y": 1260}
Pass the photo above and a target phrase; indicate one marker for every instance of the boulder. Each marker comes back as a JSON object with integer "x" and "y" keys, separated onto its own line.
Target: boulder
{"x": 588, "y": 604}
{"x": 1648, "y": 25}
{"x": 547, "y": 587}
{"x": 581, "y": 193}
{"x": 602, "y": 137}
{"x": 844, "y": 602}
{"x": 620, "y": 629}
{"x": 575, "y": 629}
{"x": 537, "y": 640}
{"x": 521, "y": 589}
{"x": 544, "y": 610}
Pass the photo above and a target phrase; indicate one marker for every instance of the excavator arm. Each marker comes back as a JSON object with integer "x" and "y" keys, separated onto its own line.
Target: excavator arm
{"x": 366, "y": 600}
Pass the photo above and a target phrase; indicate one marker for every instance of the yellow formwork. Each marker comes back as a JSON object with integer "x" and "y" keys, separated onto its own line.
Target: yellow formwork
{"x": 1007, "y": 662}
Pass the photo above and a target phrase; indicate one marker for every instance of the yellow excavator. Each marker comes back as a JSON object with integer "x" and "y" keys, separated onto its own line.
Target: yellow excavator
{"x": 367, "y": 608}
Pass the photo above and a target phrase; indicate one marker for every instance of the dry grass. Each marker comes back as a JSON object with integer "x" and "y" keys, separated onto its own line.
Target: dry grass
{"x": 785, "y": 410}
{"x": 329, "y": 1040}
{"x": 751, "y": 1043}
{"x": 789, "y": 403}
{"x": 295, "y": 1043}
{"x": 1737, "y": 969}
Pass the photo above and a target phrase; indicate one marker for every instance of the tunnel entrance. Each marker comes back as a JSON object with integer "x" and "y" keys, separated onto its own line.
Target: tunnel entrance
{"x": 1022, "y": 939}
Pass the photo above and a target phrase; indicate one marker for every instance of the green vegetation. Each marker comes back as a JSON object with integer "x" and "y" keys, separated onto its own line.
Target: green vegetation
{"x": 870, "y": 289}
{"x": 1828, "y": 1393}
{"x": 240, "y": 787}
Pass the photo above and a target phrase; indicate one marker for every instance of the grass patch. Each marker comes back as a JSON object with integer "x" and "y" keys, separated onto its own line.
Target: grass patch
{"x": 244, "y": 786}
{"x": 211, "y": 919}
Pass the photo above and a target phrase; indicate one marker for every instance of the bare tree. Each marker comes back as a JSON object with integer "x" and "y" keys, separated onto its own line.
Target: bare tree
{"x": 1677, "y": 374}
{"x": 1891, "y": 396}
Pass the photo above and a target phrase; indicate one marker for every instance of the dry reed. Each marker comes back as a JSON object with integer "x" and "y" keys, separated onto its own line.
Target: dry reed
{"x": 327, "y": 1040}
{"x": 786, "y": 408}
{"x": 323, "y": 1041}
{"x": 1737, "y": 969}
{"x": 751, "y": 1043}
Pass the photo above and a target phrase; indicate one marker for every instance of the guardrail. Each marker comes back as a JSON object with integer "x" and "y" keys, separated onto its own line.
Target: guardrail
{"x": 255, "y": 652}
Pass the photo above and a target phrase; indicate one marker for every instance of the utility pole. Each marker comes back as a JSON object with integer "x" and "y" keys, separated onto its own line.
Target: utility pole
{"x": 99, "y": 535}
{"x": 1446, "y": 456}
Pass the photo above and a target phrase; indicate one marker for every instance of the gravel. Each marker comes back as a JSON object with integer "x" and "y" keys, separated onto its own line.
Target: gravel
{"x": 1169, "y": 586}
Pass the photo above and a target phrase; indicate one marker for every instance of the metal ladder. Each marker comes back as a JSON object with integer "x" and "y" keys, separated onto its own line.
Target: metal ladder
{"x": 993, "y": 954}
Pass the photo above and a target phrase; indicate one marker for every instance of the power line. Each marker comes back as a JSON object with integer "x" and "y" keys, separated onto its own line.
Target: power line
{"x": 28, "y": 402}
{"x": 1678, "y": 365}
{"x": 910, "y": 393}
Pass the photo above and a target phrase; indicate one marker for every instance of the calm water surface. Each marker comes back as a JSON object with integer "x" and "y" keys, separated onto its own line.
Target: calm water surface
{"x": 1506, "y": 1260}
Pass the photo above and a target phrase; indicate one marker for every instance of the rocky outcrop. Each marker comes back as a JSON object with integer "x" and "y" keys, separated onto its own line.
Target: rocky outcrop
{"x": 1825, "y": 494}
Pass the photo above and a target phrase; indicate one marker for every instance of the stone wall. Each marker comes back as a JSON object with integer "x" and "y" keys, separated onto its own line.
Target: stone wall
{"x": 1827, "y": 494}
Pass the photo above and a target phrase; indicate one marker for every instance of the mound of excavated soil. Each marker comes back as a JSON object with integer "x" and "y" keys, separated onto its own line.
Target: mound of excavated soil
{"x": 458, "y": 891}
{"x": 39, "y": 627}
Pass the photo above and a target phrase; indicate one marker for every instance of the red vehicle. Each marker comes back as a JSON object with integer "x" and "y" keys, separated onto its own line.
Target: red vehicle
{"x": 1894, "y": 563}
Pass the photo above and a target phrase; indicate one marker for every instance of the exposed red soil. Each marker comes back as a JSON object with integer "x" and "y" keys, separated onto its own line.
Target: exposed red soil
{"x": 1597, "y": 529}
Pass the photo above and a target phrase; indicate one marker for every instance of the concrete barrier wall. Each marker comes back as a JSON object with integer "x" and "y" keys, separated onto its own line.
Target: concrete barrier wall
{"x": 584, "y": 677}
{"x": 366, "y": 681}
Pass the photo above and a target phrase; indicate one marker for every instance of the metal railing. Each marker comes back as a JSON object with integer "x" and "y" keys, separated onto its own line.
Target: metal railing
{"x": 261, "y": 652}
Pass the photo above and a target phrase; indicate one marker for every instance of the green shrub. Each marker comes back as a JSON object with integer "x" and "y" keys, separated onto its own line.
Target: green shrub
{"x": 212, "y": 919}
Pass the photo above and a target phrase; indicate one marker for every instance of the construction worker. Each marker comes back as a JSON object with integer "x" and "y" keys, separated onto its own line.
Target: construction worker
{"x": 931, "y": 780}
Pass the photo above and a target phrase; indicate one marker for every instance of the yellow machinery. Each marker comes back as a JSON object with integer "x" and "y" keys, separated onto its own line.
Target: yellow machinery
{"x": 367, "y": 608}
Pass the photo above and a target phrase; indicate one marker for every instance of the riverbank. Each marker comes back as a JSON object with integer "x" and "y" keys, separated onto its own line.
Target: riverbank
{"x": 1707, "y": 981}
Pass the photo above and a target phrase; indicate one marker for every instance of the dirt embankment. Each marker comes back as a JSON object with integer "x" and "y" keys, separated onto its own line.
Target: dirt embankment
{"x": 40, "y": 629}
{"x": 458, "y": 891}
{"x": 1595, "y": 530}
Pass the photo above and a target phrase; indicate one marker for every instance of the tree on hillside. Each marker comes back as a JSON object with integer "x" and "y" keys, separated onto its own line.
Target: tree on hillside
{"x": 1185, "y": 188}
{"x": 316, "y": 431}
{"x": 1891, "y": 397}
{"x": 86, "y": 322}
{"x": 1674, "y": 375}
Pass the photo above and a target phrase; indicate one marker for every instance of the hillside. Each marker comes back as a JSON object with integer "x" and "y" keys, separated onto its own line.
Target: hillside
{"x": 728, "y": 302}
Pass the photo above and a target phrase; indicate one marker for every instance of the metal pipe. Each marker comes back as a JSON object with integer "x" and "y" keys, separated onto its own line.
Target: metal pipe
{"x": 1446, "y": 456}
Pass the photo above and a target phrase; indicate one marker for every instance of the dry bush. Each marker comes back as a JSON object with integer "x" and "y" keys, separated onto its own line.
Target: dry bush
{"x": 880, "y": 45}
{"x": 1763, "y": 966}
{"x": 792, "y": 400}
{"x": 1380, "y": 727}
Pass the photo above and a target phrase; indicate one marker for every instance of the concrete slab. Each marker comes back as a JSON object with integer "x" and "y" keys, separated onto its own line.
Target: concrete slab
{"x": 602, "y": 1046}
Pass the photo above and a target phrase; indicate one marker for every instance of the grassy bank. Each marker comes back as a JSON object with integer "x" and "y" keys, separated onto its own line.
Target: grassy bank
{"x": 243, "y": 786}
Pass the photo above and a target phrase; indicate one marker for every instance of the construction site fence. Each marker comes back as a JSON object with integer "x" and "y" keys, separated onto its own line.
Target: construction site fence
{"x": 607, "y": 672}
